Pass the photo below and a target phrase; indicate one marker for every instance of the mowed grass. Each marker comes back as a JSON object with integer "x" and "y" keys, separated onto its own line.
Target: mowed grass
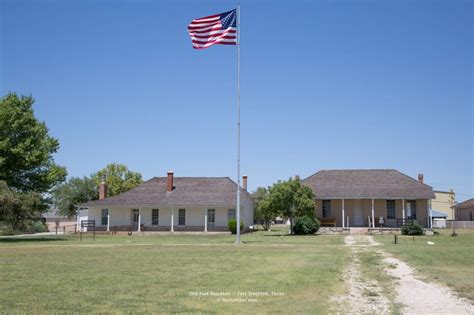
{"x": 270, "y": 272}
{"x": 449, "y": 261}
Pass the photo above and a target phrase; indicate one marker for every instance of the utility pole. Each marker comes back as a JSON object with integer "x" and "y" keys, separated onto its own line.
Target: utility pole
{"x": 452, "y": 203}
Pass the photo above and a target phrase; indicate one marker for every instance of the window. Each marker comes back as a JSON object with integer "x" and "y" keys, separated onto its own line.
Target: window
{"x": 182, "y": 217}
{"x": 211, "y": 216}
{"x": 155, "y": 215}
{"x": 105, "y": 216}
{"x": 411, "y": 209}
{"x": 326, "y": 208}
{"x": 230, "y": 214}
{"x": 390, "y": 209}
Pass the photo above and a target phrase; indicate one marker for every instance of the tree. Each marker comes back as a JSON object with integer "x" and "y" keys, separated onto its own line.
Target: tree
{"x": 118, "y": 177}
{"x": 264, "y": 212}
{"x": 291, "y": 199}
{"x": 17, "y": 207}
{"x": 72, "y": 192}
{"x": 26, "y": 148}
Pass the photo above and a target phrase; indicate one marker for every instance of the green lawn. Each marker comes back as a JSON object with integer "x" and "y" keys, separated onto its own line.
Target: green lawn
{"x": 160, "y": 273}
{"x": 449, "y": 261}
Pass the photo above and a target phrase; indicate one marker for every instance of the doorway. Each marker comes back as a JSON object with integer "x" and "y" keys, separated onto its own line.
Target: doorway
{"x": 211, "y": 219}
{"x": 358, "y": 213}
{"x": 134, "y": 219}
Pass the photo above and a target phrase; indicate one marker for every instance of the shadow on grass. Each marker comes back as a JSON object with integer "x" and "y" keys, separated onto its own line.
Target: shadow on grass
{"x": 32, "y": 239}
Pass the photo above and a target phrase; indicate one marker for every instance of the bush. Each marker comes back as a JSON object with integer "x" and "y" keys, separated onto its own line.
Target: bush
{"x": 412, "y": 229}
{"x": 38, "y": 227}
{"x": 232, "y": 225}
{"x": 7, "y": 229}
{"x": 305, "y": 225}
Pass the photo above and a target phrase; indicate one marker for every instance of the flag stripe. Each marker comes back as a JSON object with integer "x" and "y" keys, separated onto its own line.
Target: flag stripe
{"x": 203, "y": 23}
{"x": 199, "y": 41}
{"x": 218, "y": 26}
{"x": 208, "y": 45}
{"x": 214, "y": 35}
{"x": 212, "y": 30}
{"x": 197, "y": 27}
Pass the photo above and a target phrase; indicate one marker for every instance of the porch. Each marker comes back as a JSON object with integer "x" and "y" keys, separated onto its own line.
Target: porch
{"x": 372, "y": 213}
{"x": 162, "y": 219}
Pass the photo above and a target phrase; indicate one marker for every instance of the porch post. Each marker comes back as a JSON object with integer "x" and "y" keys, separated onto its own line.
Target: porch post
{"x": 108, "y": 221}
{"x": 343, "y": 216}
{"x": 172, "y": 220}
{"x": 403, "y": 211}
{"x": 373, "y": 214}
{"x": 139, "y": 220}
{"x": 205, "y": 220}
{"x": 428, "y": 208}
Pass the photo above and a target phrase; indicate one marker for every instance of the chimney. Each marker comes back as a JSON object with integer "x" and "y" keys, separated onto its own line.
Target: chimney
{"x": 169, "y": 182}
{"x": 244, "y": 182}
{"x": 420, "y": 178}
{"x": 297, "y": 177}
{"x": 103, "y": 190}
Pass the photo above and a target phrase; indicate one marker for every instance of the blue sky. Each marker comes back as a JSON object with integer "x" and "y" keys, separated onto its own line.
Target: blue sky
{"x": 325, "y": 85}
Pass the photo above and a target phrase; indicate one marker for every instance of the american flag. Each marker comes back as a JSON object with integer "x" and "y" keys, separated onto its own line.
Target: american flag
{"x": 214, "y": 29}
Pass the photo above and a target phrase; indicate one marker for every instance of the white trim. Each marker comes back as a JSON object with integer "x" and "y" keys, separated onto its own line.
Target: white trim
{"x": 373, "y": 213}
{"x": 403, "y": 210}
{"x": 430, "y": 214}
{"x": 172, "y": 220}
{"x": 139, "y": 220}
{"x": 343, "y": 216}
{"x": 205, "y": 219}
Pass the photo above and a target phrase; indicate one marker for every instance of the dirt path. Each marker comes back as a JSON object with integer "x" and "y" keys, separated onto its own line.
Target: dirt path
{"x": 365, "y": 295}
{"x": 420, "y": 297}
{"x": 415, "y": 295}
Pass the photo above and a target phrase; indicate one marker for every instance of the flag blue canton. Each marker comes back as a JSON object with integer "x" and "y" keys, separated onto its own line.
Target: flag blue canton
{"x": 229, "y": 19}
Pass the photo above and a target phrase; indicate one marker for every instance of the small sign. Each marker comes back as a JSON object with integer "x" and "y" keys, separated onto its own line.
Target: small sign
{"x": 88, "y": 223}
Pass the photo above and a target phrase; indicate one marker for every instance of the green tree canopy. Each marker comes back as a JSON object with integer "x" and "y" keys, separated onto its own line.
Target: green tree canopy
{"x": 17, "y": 207}
{"x": 291, "y": 199}
{"x": 26, "y": 148}
{"x": 264, "y": 212}
{"x": 72, "y": 192}
{"x": 118, "y": 177}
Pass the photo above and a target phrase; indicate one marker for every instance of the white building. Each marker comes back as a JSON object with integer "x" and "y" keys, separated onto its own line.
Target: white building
{"x": 173, "y": 204}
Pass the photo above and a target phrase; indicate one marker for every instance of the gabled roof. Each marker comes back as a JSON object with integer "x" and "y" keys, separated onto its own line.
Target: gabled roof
{"x": 465, "y": 205}
{"x": 378, "y": 183}
{"x": 188, "y": 191}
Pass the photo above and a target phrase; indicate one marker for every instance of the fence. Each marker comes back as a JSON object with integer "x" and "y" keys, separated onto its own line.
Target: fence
{"x": 460, "y": 224}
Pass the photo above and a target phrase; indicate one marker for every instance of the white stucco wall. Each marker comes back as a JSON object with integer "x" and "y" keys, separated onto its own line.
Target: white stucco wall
{"x": 195, "y": 216}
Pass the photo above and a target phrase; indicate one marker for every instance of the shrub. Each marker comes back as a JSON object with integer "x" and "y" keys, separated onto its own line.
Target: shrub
{"x": 305, "y": 225}
{"x": 232, "y": 225}
{"x": 412, "y": 229}
{"x": 38, "y": 227}
{"x": 7, "y": 229}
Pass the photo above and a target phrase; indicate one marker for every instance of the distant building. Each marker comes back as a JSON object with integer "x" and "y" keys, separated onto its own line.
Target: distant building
{"x": 173, "y": 204}
{"x": 465, "y": 210}
{"x": 444, "y": 202}
{"x": 364, "y": 198}
{"x": 53, "y": 218}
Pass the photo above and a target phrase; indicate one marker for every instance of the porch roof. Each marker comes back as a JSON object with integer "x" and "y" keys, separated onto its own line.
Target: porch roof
{"x": 188, "y": 191}
{"x": 377, "y": 184}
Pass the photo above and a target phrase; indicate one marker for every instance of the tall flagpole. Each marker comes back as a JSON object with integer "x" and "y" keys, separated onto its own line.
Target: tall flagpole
{"x": 237, "y": 240}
